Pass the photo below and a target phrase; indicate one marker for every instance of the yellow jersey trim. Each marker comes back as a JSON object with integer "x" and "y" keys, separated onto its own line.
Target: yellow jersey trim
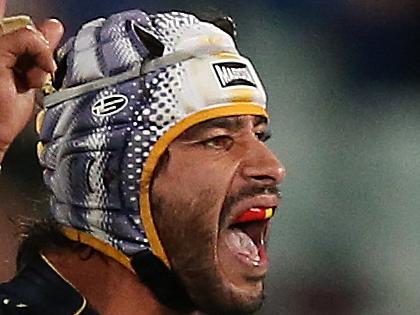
{"x": 50, "y": 264}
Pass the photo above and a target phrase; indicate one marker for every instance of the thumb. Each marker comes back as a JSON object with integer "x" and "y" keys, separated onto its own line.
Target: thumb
{"x": 53, "y": 31}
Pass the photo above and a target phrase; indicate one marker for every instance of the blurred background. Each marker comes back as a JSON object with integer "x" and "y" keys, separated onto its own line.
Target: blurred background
{"x": 343, "y": 79}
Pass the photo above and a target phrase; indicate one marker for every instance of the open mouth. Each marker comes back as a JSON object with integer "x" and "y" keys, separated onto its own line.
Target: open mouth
{"x": 248, "y": 234}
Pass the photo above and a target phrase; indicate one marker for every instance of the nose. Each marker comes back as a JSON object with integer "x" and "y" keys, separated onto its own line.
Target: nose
{"x": 261, "y": 165}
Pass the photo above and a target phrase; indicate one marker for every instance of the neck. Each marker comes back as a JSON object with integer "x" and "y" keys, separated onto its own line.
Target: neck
{"x": 109, "y": 287}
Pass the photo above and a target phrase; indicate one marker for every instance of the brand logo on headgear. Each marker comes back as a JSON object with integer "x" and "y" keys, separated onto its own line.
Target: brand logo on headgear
{"x": 109, "y": 105}
{"x": 233, "y": 73}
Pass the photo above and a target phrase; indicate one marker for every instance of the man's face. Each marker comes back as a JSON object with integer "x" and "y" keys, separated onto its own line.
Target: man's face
{"x": 209, "y": 202}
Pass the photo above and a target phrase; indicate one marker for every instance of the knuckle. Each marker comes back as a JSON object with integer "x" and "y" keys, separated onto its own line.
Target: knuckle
{"x": 29, "y": 36}
{"x": 27, "y": 33}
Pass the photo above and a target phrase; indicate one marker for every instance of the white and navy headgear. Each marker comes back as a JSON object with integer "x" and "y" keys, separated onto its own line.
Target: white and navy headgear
{"x": 132, "y": 84}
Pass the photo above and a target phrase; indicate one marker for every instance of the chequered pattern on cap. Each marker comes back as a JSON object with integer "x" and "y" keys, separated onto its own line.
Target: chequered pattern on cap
{"x": 93, "y": 163}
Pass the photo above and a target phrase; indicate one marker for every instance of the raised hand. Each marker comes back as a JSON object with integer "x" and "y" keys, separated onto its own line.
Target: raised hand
{"x": 26, "y": 59}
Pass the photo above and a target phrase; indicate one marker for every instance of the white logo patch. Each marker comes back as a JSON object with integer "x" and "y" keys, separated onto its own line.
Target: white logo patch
{"x": 109, "y": 105}
{"x": 233, "y": 73}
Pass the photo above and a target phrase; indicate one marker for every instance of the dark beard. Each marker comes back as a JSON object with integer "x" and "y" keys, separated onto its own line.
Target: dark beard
{"x": 168, "y": 289}
{"x": 163, "y": 282}
{"x": 194, "y": 278}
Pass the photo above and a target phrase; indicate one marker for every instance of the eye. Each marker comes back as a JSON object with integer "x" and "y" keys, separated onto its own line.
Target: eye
{"x": 263, "y": 135}
{"x": 218, "y": 142}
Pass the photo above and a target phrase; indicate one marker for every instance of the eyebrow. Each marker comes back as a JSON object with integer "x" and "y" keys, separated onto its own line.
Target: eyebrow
{"x": 233, "y": 123}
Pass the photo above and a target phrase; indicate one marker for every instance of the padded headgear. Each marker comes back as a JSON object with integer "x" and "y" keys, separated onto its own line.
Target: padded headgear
{"x": 127, "y": 87}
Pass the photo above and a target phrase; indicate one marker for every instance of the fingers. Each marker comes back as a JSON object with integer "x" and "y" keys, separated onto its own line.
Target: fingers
{"x": 28, "y": 51}
{"x": 36, "y": 78}
{"x": 24, "y": 51}
{"x": 52, "y": 30}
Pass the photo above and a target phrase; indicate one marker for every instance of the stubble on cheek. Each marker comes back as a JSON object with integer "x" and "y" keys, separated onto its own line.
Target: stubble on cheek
{"x": 188, "y": 233}
{"x": 190, "y": 242}
{"x": 187, "y": 219}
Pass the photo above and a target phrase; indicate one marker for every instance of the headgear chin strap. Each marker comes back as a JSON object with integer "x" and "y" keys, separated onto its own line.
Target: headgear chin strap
{"x": 131, "y": 84}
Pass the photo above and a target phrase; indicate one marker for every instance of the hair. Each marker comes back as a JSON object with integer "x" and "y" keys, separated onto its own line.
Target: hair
{"x": 43, "y": 234}
{"x": 38, "y": 235}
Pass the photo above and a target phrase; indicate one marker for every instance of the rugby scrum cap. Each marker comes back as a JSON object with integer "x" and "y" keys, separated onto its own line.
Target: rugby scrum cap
{"x": 126, "y": 87}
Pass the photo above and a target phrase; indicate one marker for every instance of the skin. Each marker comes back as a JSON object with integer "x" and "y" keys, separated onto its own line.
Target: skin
{"x": 26, "y": 58}
{"x": 232, "y": 166}
{"x": 133, "y": 298}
